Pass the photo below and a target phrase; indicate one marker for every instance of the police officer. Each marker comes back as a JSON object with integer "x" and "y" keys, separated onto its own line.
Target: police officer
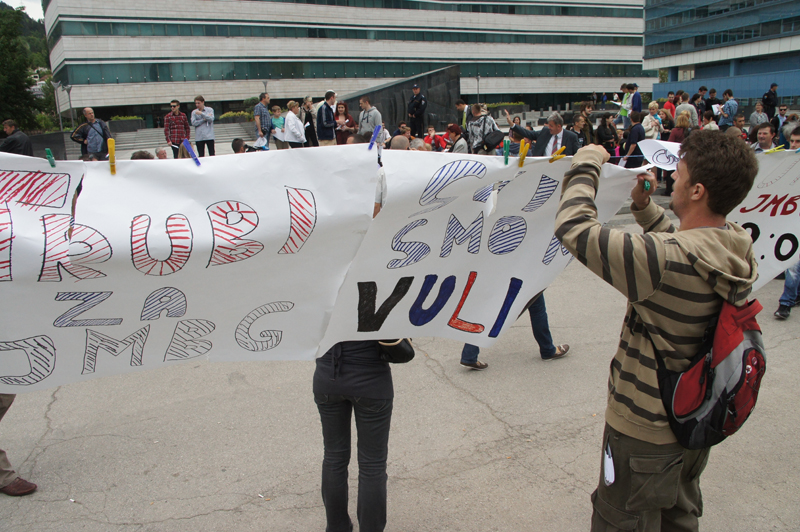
{"x": 416, "y": 112}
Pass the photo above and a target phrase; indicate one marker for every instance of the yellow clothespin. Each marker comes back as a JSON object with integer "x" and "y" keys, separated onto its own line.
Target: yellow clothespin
{"x": 776, "y": 149}
{"x": 112, "y": 156}
{"x": 557, "y": 155}
{"x": 523, "y": 151}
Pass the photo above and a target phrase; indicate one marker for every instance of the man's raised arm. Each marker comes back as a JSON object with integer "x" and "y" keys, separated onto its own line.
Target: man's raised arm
{"x": 631, "y": 263}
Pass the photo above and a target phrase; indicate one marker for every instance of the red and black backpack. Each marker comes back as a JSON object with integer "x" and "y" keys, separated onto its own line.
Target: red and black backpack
{"x": 714, "y": 397}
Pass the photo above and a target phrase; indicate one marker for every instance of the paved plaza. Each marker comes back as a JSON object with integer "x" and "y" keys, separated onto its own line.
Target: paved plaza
{"x": 237, "y": 446}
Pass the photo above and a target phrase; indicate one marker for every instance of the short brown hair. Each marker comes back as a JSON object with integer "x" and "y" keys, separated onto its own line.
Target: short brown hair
{"x": 142, "y": 154}
{"x": 200, "y": 99}
{"x": 723, "y": 164}
{"x": 275, "y": 108}
{"x": 9, "y": 123}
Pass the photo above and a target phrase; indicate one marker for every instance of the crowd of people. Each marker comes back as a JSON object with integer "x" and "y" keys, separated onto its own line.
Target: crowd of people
{"x": 716, "y": 172}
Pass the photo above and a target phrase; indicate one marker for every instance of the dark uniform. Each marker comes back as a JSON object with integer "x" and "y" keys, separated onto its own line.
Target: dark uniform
{"x": 416, "y": 111}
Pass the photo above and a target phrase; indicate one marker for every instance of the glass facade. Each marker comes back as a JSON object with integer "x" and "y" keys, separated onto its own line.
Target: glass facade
{"x": 674, "y": 27}
{"x": 506, "y": 8}
{"x": 108, "y": 73}
{"x": 281, "y": 30}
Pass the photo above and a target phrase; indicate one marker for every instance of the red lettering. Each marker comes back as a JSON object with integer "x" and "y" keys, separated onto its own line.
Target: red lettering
{"x": 6, "y": 235}
{"x": 179, "y": 233}
{"x": 57, "y": 253}
{"x": 230, "y": 221}
{"x": 775, "y": 203}
{"x": 457, "y": 323}
{"x": 764, "y": 197}
{"x": 791, "y": 202}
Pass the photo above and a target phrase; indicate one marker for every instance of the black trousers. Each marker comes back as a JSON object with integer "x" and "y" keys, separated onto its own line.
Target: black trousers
{"x": 294, "y": 145}
{"x": 201, "y": 147}
{"x": 417, "y": 126}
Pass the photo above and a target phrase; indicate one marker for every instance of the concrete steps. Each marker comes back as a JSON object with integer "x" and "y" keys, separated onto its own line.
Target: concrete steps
{"x": 149, "y": 139}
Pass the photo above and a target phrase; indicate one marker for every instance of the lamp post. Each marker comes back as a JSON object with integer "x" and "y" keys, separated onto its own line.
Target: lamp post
{"x": 56, "y": 86}
{"x": 479, "y": 88}
{"x": 68, "y": 88}
{"x": 265, "y": 85}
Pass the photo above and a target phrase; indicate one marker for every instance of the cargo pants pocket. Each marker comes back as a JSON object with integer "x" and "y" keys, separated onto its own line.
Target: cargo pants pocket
{"x": 655, "y": 481}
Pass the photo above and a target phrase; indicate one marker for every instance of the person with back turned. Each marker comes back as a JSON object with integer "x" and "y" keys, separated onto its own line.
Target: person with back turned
{"x": 675, "y": 281}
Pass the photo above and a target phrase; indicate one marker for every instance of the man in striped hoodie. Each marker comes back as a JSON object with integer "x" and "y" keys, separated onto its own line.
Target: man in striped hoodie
{"x": 675, "y": 281}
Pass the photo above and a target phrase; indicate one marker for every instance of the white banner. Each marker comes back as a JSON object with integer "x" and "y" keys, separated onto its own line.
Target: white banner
{"x": 448, "y": 257}
{"x": 264, "y": 256}
{"x": 238, "y": 259}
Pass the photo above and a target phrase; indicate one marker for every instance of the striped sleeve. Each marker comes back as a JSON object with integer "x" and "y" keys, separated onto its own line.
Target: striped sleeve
{"x": 653, "y": 219}
{"x": 631, "y": 263}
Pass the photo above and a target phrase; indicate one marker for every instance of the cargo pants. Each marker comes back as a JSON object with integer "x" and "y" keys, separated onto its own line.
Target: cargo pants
{"x": 656, "y": 488}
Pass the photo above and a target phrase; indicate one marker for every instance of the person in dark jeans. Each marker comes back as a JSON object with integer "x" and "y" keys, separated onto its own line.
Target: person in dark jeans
{"x": 352, "y": 378}
{"x": 541, "y": 333}
{"x": 633, "y": 155}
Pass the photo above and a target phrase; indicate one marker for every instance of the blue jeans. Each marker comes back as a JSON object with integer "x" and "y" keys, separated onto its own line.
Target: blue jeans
{"x": 624, "y": 120}
{"x": 790, "y": 286}
{"x": 373, "y": 418}
{"x": 541, "y": 332}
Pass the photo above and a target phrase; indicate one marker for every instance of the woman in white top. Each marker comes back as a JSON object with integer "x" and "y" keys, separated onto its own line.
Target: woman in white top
{"x": 295, "y": 134}
{"x": 758, "y": 116}
{"x": 652, "y": 122}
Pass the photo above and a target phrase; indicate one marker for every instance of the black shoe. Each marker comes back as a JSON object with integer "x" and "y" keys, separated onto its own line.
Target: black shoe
{"x": 475, "y": 365}
{"x": 783, "y": 312}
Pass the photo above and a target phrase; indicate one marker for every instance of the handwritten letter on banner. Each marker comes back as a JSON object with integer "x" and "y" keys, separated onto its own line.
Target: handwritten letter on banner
{"x": 274, "y": 256}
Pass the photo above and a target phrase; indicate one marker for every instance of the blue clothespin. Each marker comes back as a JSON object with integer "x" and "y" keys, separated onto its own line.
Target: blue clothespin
{"x": 49, "y": 156}
{"x": 375, "y": 133}
{"x": 188, "y": 146}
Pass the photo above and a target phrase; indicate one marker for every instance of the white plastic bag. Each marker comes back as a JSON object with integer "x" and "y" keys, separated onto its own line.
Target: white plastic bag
{"x": 261, "y": 142}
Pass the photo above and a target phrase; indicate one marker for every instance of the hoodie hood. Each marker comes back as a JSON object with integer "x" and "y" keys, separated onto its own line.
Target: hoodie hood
{"x": 724, "y": 259}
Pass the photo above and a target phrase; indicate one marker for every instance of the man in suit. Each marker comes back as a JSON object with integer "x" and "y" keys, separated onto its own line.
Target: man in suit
{"x": 552, "y": 137}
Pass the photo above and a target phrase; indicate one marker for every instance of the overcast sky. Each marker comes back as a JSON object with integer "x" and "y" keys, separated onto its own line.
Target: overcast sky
{"x": 32, "y": 7}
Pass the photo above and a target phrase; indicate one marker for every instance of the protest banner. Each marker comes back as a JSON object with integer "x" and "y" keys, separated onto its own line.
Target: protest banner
{"x": 770, "y": 211}
{"x": 239, "y": 259}
{"x": 461, "y": 248}
{"x": 274, "y": 256}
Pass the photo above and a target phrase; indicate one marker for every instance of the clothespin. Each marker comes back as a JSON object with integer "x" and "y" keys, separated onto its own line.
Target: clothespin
{"x": 523, "y": 151}
{"x": 646, "y": 185}
{"x": 188, "y": 146}
{"x": 112, "y": 156}
{"x": 797, "y": 150}
{"x": 557, "y": 155}
{"x": 50, "y": 158}
{"x": 375, "y": 133}
{"x": 506, "y": 150}
{"x": 776, "y": 149}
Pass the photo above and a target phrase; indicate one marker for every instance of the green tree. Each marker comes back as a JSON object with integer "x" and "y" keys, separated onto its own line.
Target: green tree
{"x": 16, "y": 101}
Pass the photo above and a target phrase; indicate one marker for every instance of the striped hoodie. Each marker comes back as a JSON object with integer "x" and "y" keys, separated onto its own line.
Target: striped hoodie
{"x": 675, "y": 282}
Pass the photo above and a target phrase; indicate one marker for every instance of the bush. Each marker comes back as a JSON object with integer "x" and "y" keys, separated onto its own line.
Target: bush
{"x": 251, "y": 102}
{"x": 231, "y": 114}
{"x": 127, "y": 118}
{"x": 44, "y": 122}
{"x": 502, "y": 104}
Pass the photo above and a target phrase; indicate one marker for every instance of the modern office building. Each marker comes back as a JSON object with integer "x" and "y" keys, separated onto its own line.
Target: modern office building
{"x": 742, "y": 45}
{"x": 124, "y": 57}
